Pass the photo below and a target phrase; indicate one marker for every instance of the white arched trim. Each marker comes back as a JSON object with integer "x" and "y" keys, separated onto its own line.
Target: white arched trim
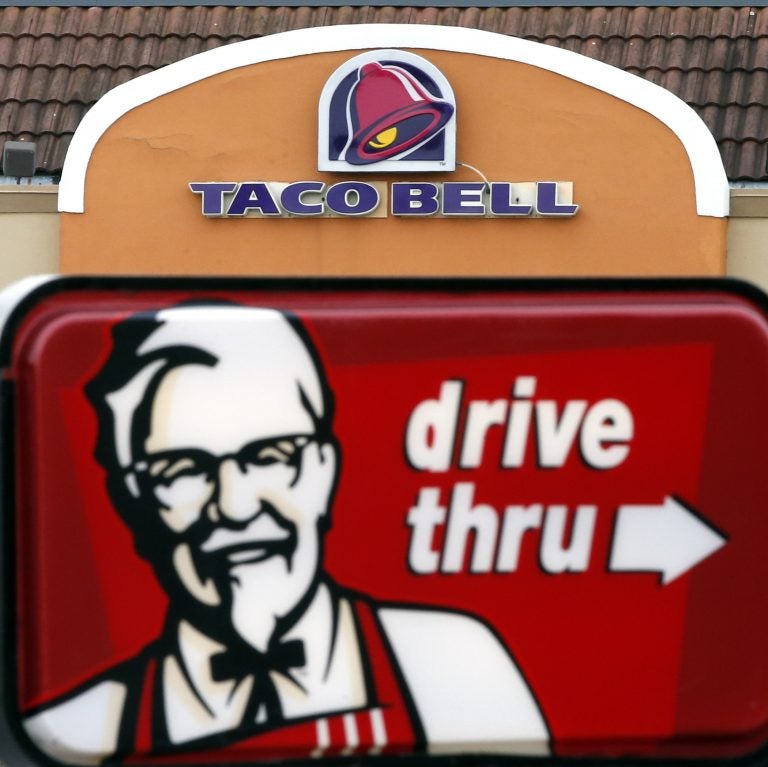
{"x": 711, "y": 184}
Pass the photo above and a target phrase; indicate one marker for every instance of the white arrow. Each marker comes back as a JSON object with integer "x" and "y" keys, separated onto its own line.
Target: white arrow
{"x": 668, "y": 538}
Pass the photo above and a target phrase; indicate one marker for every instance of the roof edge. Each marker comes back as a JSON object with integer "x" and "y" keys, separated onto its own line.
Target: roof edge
{"x": 710, "y": 182}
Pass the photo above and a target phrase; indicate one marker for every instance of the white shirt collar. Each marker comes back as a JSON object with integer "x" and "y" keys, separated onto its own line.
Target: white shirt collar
{"x": 331, "y": 680}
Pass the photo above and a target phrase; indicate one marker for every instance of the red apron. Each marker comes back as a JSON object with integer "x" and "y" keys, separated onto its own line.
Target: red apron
{"x": 388, "y": 727}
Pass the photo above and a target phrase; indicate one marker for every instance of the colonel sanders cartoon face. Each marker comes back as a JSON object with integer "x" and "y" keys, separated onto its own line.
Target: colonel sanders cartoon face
{"x": 220, "y": 440}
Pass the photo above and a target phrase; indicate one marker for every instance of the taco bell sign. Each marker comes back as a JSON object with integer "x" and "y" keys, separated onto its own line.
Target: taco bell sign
{"x": 387, "y": 110}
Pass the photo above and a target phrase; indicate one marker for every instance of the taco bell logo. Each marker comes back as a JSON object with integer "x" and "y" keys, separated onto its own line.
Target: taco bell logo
{"x": 387, "y": 111}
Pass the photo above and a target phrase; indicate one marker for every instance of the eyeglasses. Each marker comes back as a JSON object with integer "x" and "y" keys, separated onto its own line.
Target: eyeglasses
{"x": 188, "y": 477}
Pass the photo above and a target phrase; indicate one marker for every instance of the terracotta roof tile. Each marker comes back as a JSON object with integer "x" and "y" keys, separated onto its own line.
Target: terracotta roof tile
{"x": 81, "y": 84}
{"x": 55, "y": 62}
{"x": 50, "y": 117}
{"x": 700, "y": 88}
{"x": 736, "y": 123}
{"x": 745, "y": 157}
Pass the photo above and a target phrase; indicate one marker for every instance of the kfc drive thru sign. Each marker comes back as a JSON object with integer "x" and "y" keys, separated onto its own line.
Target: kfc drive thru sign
{"x": 271, "y": 520}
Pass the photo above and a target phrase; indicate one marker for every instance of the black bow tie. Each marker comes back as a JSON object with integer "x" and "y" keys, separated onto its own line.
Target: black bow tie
{"x": 240, "y": 660}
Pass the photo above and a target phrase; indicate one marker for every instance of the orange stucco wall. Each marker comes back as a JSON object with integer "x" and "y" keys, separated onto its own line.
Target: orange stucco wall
{"x": 515, "y": 122}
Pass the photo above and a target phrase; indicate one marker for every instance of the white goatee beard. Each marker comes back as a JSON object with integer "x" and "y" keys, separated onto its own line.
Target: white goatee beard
{"x": 262, "y": 593}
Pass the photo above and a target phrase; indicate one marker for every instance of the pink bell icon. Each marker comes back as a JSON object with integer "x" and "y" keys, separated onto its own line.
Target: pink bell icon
{"x": 391, "y": 113}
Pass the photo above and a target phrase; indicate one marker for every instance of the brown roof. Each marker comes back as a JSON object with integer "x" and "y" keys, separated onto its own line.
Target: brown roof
{"x": 55, "y": 62}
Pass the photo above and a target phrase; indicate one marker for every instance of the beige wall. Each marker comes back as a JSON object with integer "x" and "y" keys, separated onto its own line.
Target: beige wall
{"x": 30, "y": 234}
{"x": 748, "y": 236}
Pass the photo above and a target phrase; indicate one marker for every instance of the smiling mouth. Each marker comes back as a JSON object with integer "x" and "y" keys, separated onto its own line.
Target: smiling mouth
{"x": 255, "y": 551}
{"x": 265, "y": 537}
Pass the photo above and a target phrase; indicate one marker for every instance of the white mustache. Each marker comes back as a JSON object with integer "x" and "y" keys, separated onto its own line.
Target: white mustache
{"x": 263, "y": 529}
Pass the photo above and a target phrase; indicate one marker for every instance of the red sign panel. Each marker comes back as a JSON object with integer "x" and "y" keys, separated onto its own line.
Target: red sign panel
{"x": 282, "y": 519}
